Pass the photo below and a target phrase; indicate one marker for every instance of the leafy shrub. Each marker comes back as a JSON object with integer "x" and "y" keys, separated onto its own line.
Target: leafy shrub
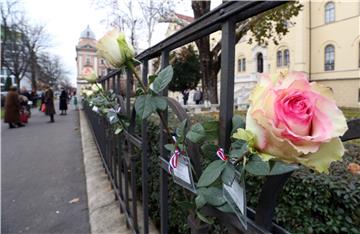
{"x": 310, "y": 202}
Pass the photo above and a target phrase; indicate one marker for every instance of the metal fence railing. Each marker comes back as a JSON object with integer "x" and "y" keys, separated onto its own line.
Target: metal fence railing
{"x": 121, "y": 153}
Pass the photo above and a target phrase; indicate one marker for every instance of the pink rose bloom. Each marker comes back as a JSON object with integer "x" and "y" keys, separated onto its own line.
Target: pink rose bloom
{"x": 296, "y": 121}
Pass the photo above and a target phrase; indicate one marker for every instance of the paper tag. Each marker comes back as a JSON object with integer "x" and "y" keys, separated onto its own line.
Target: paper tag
{"x": 235, "y": 195}
{"x": 182, "y": 174}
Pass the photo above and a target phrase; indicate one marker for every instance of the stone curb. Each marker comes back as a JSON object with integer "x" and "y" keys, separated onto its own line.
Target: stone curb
{"x": 104, "y": 214}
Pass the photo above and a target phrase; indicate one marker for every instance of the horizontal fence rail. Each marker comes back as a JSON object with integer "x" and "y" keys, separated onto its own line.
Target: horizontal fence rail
{"x": 122, "y": 153}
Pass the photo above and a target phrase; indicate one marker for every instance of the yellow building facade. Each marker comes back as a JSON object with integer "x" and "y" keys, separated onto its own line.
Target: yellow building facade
{"x": 324, "y": 42}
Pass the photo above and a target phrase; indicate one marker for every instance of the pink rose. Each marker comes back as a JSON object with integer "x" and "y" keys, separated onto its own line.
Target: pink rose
{"x": 296, "y": 121}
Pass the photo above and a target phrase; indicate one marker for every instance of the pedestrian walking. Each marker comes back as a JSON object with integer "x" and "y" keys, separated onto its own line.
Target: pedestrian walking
{"x": 75, "y": 101}
{"x": 49, "y": 104}
{"x": 197, "y": 96}
{"x": 12, "y": 109}
{"x": 63, "y": 102}
{"x": 185, "y": 96}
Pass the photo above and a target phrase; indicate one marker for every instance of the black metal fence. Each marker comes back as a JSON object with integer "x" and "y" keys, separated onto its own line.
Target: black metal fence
{"x": 119, "y": 152}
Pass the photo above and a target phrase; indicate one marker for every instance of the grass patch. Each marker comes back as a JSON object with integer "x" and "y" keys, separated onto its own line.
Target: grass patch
{"x": 2, "y": 112}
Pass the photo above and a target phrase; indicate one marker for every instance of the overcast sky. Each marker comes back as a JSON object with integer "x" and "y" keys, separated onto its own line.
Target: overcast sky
{"x": 66, "y": 19}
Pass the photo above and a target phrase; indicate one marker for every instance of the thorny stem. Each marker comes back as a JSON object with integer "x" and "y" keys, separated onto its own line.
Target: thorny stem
{"x": 138, "y": 78}
{"x": 246, "y": 154}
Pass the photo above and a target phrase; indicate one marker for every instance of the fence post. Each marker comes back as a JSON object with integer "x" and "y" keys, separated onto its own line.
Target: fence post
{"x": 145, "y": 157}
{"x": 164, "y": 193}
{"x": 227, "y": 82}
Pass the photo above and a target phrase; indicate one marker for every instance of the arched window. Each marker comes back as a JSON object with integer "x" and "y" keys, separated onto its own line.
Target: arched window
{"x": 329, "y": 58}
{"x": 286, "y": 57}
{"x": 279, "y": 58}
{"x": 260, "y": 63}
{"x": 329, "y": 12}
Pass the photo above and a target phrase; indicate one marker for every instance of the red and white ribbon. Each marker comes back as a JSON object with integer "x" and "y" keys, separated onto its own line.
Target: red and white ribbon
{"x": 174, "y": 160}
{"x": 220, "y": 153}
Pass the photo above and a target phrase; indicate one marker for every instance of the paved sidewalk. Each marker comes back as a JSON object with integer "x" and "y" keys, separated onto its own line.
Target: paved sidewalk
{"x": 41, "y": 171}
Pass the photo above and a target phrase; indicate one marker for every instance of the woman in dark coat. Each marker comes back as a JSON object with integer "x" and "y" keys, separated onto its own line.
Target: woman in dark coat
{"x": 12, "y": 109}
{"x": 49, "y": 104}
{"x": 63, "y": 102}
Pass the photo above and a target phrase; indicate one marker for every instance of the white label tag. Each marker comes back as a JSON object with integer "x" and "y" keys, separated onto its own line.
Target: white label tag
{"x": 182, "y": 174}
{"x": 237, "y": 194}
{"x": 182, "y": 171}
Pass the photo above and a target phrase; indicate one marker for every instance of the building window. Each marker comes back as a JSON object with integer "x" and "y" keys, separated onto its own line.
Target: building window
{"x": 88, "y": 60}
{"x": 286, "y": 57}
{"x": 329, "y": 58}
{"x": 279, "y": 58}
{"x": 329, "y": 12}
{"x": 241, "y": 65}
{"x": 102, "y": 61}
{"x": 260, "y": 63}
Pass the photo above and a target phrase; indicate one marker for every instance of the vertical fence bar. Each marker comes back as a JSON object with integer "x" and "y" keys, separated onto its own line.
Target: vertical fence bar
{"x": 128, "y": 92}
{"x": 145, "y": 157}
{"x": 227, "y": 82}
{"x": 118, "y": 83}
{"x": 164, "y": 193}
{"x": 113, "y": 82}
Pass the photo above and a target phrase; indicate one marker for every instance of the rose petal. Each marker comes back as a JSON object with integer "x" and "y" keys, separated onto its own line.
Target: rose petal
{"x": 321, "y": 160}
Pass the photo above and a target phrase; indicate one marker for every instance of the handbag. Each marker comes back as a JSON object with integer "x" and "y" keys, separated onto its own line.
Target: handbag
{"x": 24, "y": 117}
{"x": 43, "y": 107}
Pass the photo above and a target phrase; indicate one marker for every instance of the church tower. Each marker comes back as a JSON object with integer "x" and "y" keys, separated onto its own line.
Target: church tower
{"x": 86, "y": 58}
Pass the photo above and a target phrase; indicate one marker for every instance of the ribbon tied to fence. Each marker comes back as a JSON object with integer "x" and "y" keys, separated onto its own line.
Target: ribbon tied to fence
{"x": 174, "y": 160}
{"x": 220, "y": 153}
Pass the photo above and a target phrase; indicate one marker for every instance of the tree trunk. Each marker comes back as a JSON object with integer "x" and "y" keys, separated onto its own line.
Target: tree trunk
{"x": 208, "y": 78}
{"x": 33, "y": 71}
{"x": 17, "y": 81}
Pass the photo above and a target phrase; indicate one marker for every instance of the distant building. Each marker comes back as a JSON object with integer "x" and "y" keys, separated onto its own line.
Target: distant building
{"x": 324, "y": 42}
{"x": 87, "y": 60}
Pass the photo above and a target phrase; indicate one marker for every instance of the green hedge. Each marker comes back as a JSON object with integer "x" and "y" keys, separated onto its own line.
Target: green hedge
{"x": 309, "y": 203}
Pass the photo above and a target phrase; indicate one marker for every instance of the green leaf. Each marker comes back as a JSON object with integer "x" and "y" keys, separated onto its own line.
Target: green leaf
{"x": 228, "y": 174}
{"x": 237, "y": 122}
{"x": 200, "y": 201}
{"x": 225, "y": 208}
{"x": 146, "y": 105}
{"x": 203, "y": 218}
{"x": 209, "y": 150}
{"x": 238, "y": 153}
{"x": 163, "y": 79}
{"x": 213, "y": 196}
{"x": 186, "y": 204}
{"x": 170, "y": 147}
{"x": 211, "y": 129}
{"x": 118, "y": 130}
{"x": 238, "y": 144}
{"x": 196, "y": 133}
{"x": 152, "y": 78}
{"x": 256, "y": 166}
{"x": 282, "y": 168}
{"x": 160, "y": 103}
{"x": 211, "y": 173}
{"x": 112, "y": 117}
{"x": 180, "y": 131}
{"x": 139, "y": 92}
